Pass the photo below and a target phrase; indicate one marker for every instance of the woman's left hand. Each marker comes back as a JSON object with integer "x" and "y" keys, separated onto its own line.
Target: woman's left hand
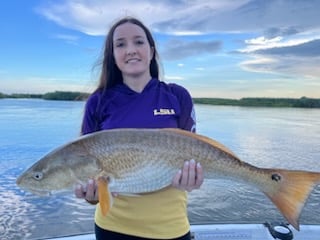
{"x": 190, "y": 177}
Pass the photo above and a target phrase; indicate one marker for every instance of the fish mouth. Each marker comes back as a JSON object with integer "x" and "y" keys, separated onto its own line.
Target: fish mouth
{"x": 36, "y": 191}
{"x": 21, "y": 183}
{"x": 41, "y": 193}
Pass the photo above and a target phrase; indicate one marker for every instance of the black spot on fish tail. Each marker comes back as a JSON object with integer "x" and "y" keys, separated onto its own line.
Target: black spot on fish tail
{"x": 276, "y": 177}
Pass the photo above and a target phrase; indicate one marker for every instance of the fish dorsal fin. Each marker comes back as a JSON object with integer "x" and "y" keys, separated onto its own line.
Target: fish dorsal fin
{"x": 203, "y": 139}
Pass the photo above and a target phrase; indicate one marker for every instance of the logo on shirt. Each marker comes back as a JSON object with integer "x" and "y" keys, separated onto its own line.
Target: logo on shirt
{"x": 163, "y": 111}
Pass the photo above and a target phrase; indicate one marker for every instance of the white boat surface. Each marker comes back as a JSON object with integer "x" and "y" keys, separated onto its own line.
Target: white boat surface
{"x": 236, "y": 232}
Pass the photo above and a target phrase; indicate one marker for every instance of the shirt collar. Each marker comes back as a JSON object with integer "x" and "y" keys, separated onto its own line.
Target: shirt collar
{"x": 125, "y": 89}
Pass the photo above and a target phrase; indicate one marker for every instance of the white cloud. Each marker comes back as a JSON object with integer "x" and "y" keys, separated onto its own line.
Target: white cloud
{"x": 66, "y": 37}
{"x": 173, "y": 78}
{"x": 70, "y": 39}
{"x": 262, "y": 43}
{"x": 259, "y": 64}
{"x": 93, "y": 17}
{"x": 265, "y": 28}
{"x": 199, "y": 68}
{"x": 282, "y": 65}
{"x": 178, "y": 49}
{"x": 262, "y": 40}
{"x": 42, "y": 85}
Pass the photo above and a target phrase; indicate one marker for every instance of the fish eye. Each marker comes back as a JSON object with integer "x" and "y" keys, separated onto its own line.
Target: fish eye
{"x": 37, "y": 175}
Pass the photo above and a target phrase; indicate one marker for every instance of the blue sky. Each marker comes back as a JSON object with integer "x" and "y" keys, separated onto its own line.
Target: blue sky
{"x": 228, "y": 49}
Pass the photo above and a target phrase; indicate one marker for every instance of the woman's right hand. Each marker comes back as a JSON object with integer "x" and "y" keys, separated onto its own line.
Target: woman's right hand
{"x": 89, "y": 191}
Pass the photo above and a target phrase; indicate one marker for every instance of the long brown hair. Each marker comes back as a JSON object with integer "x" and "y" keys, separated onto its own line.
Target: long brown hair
{"x": 110, "y": 74}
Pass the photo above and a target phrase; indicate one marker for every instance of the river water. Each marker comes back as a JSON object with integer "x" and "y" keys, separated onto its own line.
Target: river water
{"x": 266, "y": 137}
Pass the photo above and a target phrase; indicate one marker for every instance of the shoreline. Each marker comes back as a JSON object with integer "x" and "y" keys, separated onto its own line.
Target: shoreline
{"x": 303, "y": 102}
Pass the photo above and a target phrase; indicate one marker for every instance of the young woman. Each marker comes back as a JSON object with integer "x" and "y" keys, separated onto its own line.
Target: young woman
{"x": 130, "y": 95}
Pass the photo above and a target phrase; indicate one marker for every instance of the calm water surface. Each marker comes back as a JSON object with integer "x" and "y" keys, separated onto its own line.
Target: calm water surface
{"x": 266, "y": 137}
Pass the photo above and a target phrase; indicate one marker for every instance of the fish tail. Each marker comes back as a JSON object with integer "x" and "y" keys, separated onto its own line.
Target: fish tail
{"x": 105, "y": 197}
{"x": 292, "y": 192}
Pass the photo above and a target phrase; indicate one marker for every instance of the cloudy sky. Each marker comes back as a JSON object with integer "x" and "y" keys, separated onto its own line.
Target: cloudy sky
{"x": 228, "y": 49}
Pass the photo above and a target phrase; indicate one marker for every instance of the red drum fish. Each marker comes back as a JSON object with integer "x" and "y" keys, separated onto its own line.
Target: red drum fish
{"x": 133, "y": 161}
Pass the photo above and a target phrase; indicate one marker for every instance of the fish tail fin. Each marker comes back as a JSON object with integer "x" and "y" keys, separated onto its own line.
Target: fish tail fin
{"x": 105, "y": 197}
{"x": 292, "y": 192}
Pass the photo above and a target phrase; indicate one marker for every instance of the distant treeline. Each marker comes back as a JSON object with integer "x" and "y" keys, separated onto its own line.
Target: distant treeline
{"x": 303, "y": 102}
{"x": 57, "y": 95}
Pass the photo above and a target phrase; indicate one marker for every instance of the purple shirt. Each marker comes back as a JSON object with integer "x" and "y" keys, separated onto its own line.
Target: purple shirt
{"x": 159, "y": 105}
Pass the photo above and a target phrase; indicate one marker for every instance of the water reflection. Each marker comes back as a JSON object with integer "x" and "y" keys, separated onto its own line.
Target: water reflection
{"x": 15, "y": 221}
{"x": 278, "y": 138}
{"x": 286, "y": 138}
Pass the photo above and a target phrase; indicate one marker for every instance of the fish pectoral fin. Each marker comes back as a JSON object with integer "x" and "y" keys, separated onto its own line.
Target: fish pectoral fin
{"x": 295, "y": 187}
{"x": 105, "y": 197}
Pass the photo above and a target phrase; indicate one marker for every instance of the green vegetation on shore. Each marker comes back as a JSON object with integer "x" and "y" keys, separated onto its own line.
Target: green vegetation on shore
{"x": 66, "y": 96}
{"x": 302, "y": 102}
{"x": 57, "y": 95}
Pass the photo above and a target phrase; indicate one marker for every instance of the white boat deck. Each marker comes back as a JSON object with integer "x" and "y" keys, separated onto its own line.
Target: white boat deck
{"x": 235, "y": 232}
